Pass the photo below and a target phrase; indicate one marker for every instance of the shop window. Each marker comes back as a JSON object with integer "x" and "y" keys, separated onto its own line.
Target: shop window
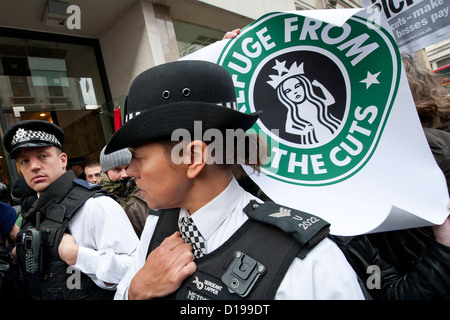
{"x": 191, "y": 37}
{"x": 56, "y": 81}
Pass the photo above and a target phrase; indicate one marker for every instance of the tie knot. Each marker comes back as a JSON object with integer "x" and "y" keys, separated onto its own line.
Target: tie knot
{"x": 186, "y": 221}
{"x": 191, "y": 235}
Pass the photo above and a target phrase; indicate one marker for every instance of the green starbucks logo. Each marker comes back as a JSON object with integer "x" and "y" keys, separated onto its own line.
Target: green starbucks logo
{"x": 325, "y": 92}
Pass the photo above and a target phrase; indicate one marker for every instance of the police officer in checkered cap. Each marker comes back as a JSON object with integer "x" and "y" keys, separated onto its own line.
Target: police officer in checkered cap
{"x": 57, "y": 204}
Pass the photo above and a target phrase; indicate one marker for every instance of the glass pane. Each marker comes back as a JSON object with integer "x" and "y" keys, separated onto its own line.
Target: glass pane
{"x": 57, "y": 82}
{"x": 48, "y": 76}
{"x": 191, "y": 37}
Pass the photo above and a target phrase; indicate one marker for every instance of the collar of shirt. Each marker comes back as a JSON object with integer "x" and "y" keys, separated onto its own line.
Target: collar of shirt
{"x": 209, "y": 217}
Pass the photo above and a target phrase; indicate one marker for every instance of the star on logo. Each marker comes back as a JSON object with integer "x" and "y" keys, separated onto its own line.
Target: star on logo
{"x": 371, "y": 79}
{"x": 280, "y": 67}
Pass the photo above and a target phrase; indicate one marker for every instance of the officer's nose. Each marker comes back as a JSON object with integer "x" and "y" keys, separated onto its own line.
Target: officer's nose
{"x": 35, "y": 164}
{"x": 131, "y": 170}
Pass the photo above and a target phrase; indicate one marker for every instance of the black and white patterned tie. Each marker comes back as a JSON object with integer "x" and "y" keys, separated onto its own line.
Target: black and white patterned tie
{"x": 191, "y": 235}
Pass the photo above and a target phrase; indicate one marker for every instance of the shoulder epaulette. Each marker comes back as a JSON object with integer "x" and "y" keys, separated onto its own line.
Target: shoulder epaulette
{"x": 305, "y": 228}
{"x": 87, "y": 185}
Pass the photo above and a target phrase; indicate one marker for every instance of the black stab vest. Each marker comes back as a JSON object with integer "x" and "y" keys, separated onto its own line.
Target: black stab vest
{"x": 270, "y": 244}
{"x": 55, "y": 208}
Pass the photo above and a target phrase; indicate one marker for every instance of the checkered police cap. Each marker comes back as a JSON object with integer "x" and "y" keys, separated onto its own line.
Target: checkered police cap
{"x": 32, "y": 133}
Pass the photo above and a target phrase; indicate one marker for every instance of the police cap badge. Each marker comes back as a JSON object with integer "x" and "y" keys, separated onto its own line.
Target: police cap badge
{"x": 32, "y": 133}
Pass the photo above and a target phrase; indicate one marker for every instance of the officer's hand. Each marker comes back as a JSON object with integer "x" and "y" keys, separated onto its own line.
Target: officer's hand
{"x": 68, "y": 249}
{"x": 164, "y": 270}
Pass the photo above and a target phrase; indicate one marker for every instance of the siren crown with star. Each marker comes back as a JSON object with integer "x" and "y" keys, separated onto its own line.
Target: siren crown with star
{"x": 284, "y": 73}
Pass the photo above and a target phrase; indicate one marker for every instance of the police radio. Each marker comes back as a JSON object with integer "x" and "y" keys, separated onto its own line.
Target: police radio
{"x": 32, "y": 243}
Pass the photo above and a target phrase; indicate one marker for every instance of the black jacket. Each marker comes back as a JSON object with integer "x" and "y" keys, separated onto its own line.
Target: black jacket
{"x": 424, "y": 278}
{"x": 55, "y": 207}
{"x": 5, "y": 272}
{"x": 439, "y": 142}
{"x": 10, "y": 280}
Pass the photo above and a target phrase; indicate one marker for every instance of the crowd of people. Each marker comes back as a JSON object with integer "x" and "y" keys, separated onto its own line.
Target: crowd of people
{"x": 137, "y": 225}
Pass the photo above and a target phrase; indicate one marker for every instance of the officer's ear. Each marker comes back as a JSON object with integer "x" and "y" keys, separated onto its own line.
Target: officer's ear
{"x": 63, "y": 158}
{"x": 196, "y": 149}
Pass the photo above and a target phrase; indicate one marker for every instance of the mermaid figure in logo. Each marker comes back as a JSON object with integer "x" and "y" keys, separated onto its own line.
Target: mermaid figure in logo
{"x": 308, "y": 114}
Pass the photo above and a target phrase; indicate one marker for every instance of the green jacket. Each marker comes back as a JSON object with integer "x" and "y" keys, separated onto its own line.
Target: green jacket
{"x": 120, "y": 189}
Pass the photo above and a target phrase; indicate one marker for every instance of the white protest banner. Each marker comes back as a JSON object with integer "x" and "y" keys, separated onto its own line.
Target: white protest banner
{"x": 416, "y": 24}
{"x": 343, "y": 134}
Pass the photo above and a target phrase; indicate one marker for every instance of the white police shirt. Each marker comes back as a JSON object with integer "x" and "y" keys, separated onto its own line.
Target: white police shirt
{"x": 324, "y": 273}
{"x": 106, "y": 241}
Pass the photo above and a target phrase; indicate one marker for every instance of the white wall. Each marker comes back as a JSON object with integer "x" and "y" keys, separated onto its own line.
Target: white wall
{"x": 126, "y": 50}
{"x": 252, "y": 8}
{"x": 137, "y": 41}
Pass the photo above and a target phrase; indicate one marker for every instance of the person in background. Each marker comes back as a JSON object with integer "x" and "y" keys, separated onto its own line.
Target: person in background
{"x": 432, "y": 102}
{"x": 116, "y": 181}
{"x": 77, "y": 166}
{"x": 231, "y": 34}
{"x": 18, "y": 190}
{"x": 8, "y": 227}
{"x": 8, "y": 234}
{"x": 114, "y": 177}
{"x": 4, "y": 196}
{"x": 92, "y": 171}
{"x": 137, "y": 211}
{"x": 414, "y": 263}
